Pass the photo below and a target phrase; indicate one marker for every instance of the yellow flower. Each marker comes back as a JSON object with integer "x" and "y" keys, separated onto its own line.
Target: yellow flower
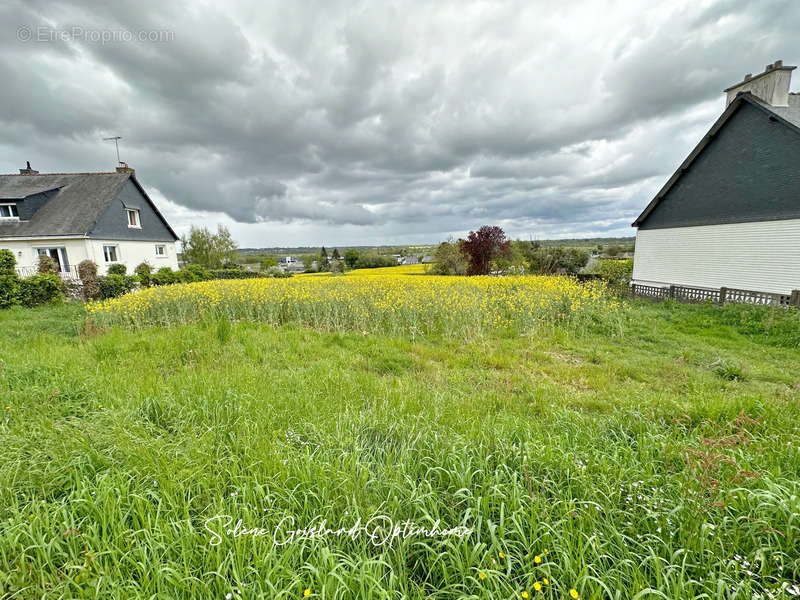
{"x": 546, "y": 581}
{"x": 307, "y": 592}
{"x": 537, "y": 559}
{"x": 526, "y": 595}
{"x": 502, "y": 555}
{"x": 481, "y": 575}
{"x": 537, "y": 586}
{"x": 573, "y": 593}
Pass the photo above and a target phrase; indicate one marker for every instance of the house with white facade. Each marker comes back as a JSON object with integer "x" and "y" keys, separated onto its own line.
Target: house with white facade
{"x": 104, "y": 217}
{"x": 729, "y": 217}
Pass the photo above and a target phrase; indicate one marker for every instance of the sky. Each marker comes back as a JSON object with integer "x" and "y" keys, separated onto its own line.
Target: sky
{"x": 361, "y": 123}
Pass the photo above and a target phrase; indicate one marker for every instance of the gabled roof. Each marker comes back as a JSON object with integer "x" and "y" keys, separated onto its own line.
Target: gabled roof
{"x": 733, "y": 107}
{"x": 78, "y": 200}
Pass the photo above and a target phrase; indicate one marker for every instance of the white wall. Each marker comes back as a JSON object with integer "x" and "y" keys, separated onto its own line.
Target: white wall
{"x": 129, "y": 253}
{"x": 763, "y": 256}
{"x": 133, "y": 254}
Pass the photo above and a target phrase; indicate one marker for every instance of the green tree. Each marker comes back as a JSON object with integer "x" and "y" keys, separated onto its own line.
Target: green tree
{"x": 268, "y": 262}
{"x": 550, "y": 260}
{"x": 209, "y": 250}
{"x": 323, "y": 259}
{"x": 351, "y": 258}
{"x": 449, "y": 259}
{"x": 335, "y": 255}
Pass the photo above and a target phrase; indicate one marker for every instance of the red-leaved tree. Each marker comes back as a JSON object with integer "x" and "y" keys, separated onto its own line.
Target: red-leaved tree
{"x": 483, "y": 246}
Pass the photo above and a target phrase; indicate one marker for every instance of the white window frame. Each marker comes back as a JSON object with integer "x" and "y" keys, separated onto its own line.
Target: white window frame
{"x": 16, "y": 210}
{"x": 135, "y": 213}
{"x": 162, "y": 254}
{"x": 116, "y": 253}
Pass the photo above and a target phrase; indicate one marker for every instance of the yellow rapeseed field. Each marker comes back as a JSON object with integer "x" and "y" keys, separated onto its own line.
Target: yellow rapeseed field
{"x": 394, "y": 299}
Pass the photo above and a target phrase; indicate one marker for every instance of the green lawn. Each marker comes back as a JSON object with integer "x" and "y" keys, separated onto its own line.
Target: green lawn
{"x": 658, "y": 462}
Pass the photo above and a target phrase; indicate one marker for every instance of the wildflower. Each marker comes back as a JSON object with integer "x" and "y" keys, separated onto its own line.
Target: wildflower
{"x": 573, "y": 593}
{"x": 526, "y": 595}
{"x": 502, "y": 555}
{"x": 307, "y": 592}
{"x": 546, "y": 581}
{"x": 537, "y": 586}
{"x": 481, "y": 575}
{"x": 537, "y": 559}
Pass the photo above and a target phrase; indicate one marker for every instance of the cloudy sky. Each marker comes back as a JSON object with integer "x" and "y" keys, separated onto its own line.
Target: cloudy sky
{"x": 345, "y": 122}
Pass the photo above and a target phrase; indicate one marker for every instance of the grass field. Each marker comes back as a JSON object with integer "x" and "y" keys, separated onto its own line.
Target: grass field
{"x": 652, "y": 456}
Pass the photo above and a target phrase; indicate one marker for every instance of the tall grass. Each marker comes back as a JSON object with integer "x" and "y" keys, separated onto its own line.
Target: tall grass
{"x": 631, "y": 467}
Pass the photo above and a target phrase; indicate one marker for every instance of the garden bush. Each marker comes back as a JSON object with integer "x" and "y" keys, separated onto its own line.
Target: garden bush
{"x": 87, "y": 271}
{"x": 117, "y": 269}
{"x": 192, "y": 273}
{"x": 40, "y": 289}
{"x": 165, "y": 276}
{"x": 145, "y": 274}
{"x": 9, "y": 281}
{"x": 47, "y": 265}
{"x": 112, "y": 286}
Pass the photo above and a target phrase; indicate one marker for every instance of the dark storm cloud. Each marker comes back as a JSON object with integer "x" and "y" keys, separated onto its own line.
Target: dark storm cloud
{"x": 356, "y": 121}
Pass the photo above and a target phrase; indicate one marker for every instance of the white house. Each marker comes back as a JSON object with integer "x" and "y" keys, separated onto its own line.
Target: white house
{"x": 730, "y": 215}
{"x": 104, "y": 217}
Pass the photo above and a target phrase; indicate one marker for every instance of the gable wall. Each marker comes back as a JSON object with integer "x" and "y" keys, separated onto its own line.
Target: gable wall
{"x": 112, "y": 224}
{"x": 749, "y": 172}
{"x": 762, "y": 256}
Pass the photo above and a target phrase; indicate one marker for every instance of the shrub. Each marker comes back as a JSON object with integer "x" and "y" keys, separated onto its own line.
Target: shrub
{"x": 165, "y": 276}
{"x": 87, "y": 271}
{"x": 551, "y": 260}
{"x": 7, "y": 262}
{"x": 9, "y": 290}
{"x": 117, "y": 269}
{"x": 40, "y": 289}
{"x": 192, "y": 273}
{"x": 47, "y": 265}
{"x": 145, "y": 274}
{"x": 112, "y": 286}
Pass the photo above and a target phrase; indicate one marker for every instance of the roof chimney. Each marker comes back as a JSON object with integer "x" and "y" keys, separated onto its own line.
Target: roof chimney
{"x": 771, "y": 86}
{"x": 27, "y": 170}
{"x": 125, "y": 169}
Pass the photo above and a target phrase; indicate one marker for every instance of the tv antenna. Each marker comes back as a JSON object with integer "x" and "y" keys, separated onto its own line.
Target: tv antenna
{"x": 116, "y": 140}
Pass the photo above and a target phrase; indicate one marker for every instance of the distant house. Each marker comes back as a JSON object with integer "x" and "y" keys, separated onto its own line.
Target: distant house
{"x": 426, "y": 260}
{"x": 730, "y": 215}
{"x": 104, "y": 217}
{"x": 410, "y": 260}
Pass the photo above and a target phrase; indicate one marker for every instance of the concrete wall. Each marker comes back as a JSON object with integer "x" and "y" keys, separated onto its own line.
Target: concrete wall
{"x": 762, "y": 256}
{"x": 129, "y": 253}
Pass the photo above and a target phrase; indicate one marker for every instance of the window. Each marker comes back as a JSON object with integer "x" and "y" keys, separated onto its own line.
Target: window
{"x": 110, "y": 253}
{"x": 161, "y": 250}
{"x": 8, "y": 211}
{"x": 133, "y": 218}
{"x": 59, "y": 256}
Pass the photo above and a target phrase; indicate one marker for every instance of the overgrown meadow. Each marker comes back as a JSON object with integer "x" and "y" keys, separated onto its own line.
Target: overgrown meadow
{"x": 595, "y": 448}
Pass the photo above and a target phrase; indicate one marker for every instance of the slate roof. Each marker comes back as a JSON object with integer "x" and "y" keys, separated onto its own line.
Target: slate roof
{"x": 733, "y": 107}
{"x": 77, "y": 201}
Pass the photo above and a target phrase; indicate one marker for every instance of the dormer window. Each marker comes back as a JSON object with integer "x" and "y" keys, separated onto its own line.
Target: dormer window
{"x": 8, "y": 211}
{"x": 133, "y": 218}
